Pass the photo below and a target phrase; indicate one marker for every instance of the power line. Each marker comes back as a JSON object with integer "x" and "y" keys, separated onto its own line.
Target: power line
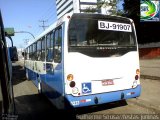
{"x": 46, "y": 15}
{"x": 50, "y": 9}
{"x": 26, "y": 41}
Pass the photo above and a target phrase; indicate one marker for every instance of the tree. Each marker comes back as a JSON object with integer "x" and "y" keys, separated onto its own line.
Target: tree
{"x": 108, "y": 7}
{"x": 90, "y": 9}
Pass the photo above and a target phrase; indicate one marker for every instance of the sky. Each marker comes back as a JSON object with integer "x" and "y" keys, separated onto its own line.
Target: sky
{"x": 27, "y": 15}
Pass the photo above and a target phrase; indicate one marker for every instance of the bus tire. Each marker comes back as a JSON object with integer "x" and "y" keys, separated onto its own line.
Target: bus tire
{"x": 39, "y": 87}
{"x": 27, "y": 77}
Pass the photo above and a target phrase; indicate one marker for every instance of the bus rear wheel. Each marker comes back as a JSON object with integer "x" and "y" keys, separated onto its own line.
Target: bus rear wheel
{"x": 27, "y": 76}
{"x": 39, "y": 86}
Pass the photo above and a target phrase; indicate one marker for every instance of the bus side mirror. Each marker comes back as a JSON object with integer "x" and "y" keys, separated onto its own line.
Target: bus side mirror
{"x": 13, "y": 53}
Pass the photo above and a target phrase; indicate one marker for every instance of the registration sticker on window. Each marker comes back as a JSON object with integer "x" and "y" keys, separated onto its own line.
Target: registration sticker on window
{"x": 115, "y": 26}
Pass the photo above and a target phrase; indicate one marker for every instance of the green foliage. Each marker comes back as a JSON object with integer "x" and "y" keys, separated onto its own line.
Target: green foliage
{"x": 108, "y": 3}
{"x": 104, "y": 4}
{"x": 90, "y": 9}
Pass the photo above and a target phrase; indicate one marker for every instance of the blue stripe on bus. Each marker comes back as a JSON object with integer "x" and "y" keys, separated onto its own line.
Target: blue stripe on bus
{"x": 51, "y": 83}
{"x": 32, "y": 76}
{"x": 88, "y": 100}
{"x": 53, "y": 88}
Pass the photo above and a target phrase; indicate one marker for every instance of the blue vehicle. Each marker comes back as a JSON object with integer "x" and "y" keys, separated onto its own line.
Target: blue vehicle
{"x": 7, "y": 105}
{"x": 84, "y": 60}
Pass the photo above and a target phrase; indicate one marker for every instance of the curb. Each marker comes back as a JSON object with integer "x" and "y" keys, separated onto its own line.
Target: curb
{"x": 144, "y": 104}
{"x": 150, "y": 77}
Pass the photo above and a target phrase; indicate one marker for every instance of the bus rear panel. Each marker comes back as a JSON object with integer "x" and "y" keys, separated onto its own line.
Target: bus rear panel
{"x": 102, "y": 63}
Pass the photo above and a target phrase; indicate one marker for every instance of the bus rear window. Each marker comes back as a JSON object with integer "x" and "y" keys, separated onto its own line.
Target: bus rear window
{"x": 92, "y": 32}
{"x": 86, "y": 34}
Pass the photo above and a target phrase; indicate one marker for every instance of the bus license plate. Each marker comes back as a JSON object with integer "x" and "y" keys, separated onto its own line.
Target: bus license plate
{"x": 106, "y": 25}
{"x": 107, "y": 82}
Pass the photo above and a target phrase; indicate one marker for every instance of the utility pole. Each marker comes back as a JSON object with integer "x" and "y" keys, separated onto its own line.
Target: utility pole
{"x": 26, "y": 41}
{"x": 43, "y": 24}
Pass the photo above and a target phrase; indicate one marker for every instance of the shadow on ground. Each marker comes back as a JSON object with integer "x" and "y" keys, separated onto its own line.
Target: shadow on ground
{"x": 38, "y": 107}
{"x": 18, "y": 74}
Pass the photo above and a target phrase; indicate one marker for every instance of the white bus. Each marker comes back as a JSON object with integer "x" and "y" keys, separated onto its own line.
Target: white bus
{"x": 84, "y": 60}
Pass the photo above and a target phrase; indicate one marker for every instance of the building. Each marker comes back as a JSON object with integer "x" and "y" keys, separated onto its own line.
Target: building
{"x": 76, "y": 6}
{"x": 149, "y": 50}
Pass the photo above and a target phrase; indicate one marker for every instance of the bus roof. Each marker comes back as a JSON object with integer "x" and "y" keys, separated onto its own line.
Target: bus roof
{"x": 82, "y": 15}
{"x": 100, "y": 16}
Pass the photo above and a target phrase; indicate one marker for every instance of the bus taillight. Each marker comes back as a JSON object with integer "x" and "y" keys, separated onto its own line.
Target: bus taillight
{"x": 70, "y": 77}
{"x": 137, "y": 71}
{"x": 137, "y": 74}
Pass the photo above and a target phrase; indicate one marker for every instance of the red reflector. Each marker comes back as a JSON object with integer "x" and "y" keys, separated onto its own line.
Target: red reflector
{"x": 132, "y": 93}
{"x": 136, "y": 77}
{"x": 82, "y": 100}
{"x": 68, "y": 17}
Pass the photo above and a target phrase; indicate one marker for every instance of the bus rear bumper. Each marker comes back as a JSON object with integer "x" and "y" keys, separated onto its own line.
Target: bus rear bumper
{"x": 89, "y": 100}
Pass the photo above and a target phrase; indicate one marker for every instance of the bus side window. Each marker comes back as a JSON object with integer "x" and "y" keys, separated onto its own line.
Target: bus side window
{"x": 29, "y": 56}
{"x": 30, "y": 52}
{"x": 39, "y": 50}
{"x": 49, "y": 49}
{"x": 34, "y": 55}
{"x": 51, "y": 54}
{"x": 58, "y": 45}
{"x": 52, "y": 45}
{"x": 43, "y": 49}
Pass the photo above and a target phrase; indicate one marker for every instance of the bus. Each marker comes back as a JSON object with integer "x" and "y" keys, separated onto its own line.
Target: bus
{"x": 85, "y": 60}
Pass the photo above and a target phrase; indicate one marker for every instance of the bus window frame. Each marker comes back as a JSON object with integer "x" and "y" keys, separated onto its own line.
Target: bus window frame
{"x": 43, "y": 50}
{"x": 39, "y": 48}
{"x": 56, "y": 59}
